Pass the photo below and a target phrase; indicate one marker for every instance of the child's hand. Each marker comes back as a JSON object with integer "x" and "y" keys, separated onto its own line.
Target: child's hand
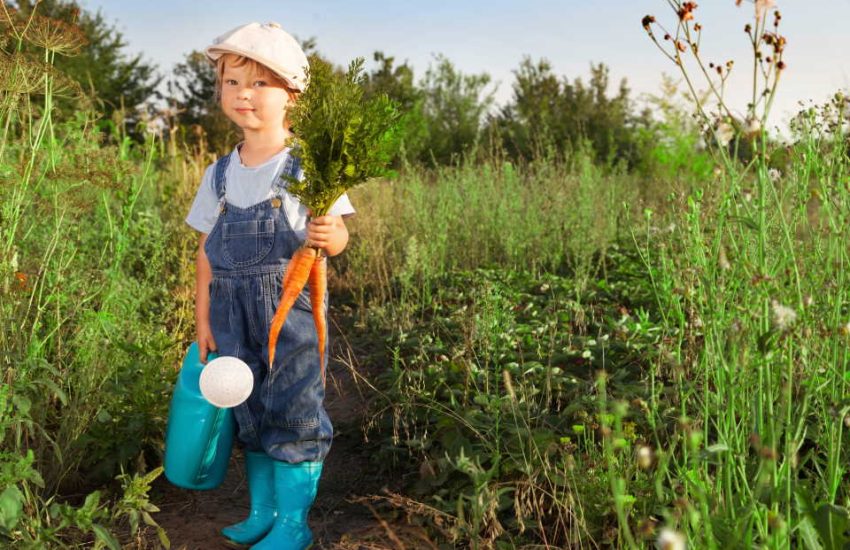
{"x": 328, "y": 233}
{"x": 205, "y": 339}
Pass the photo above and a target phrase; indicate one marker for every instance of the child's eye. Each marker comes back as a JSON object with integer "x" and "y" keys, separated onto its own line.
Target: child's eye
{"x": 230, "y": 81}
{"x": 260, "y": 83}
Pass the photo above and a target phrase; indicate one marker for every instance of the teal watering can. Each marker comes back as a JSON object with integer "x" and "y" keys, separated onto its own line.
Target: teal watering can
{"x": 199, "y": 436}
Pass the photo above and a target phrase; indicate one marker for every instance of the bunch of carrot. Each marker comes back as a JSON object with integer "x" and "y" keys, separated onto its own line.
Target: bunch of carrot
{"x": 342, "y": 139}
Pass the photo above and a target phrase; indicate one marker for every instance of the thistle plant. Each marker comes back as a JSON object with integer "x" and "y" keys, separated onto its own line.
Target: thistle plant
{"x": 767, "y": 375}
{"x": 683, "y": 43}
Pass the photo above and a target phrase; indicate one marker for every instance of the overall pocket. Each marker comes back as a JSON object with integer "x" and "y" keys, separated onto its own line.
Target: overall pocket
{"x": 247, "y": 242}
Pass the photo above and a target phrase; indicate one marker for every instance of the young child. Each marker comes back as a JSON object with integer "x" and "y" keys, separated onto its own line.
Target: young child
{"x": 250, "y": 227}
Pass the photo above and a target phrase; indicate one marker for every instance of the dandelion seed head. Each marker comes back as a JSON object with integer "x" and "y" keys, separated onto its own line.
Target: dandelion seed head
{"x": 782, "y": 316}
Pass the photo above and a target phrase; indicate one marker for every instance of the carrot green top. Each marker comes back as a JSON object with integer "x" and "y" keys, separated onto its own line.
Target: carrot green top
{"x": 342, "y": 138}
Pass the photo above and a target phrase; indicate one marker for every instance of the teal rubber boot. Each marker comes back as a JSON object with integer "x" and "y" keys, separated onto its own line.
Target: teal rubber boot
{"x": 295, "y": 489}
{"x": 260, "y": 470}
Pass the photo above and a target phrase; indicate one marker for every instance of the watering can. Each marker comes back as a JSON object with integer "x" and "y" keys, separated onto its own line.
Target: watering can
{"x": 199, "y": 436}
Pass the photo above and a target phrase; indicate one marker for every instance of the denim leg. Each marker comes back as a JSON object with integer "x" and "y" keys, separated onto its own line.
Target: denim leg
{"x": 231, "y": 330}
{"x": 295, "y": 426}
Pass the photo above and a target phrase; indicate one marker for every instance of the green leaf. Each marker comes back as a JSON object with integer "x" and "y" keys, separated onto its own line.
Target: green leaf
{"x": 163, "y": 538}
{"x": 11, "y": 507}
{"x": 103, "y": 535}
{"x": 831, "y": 522}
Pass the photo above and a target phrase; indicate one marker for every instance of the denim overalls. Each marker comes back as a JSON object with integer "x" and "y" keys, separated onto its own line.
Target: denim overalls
{"x": 248, "y": 249}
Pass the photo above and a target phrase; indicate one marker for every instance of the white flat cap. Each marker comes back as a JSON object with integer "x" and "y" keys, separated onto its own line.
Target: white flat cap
{"x": 268, "y": 44}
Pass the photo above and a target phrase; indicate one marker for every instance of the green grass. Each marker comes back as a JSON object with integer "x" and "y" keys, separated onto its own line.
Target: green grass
{"x": 573, "y": 355}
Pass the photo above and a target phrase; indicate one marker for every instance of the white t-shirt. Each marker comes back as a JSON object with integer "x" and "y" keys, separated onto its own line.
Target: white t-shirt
{"x": 247, "y": 186}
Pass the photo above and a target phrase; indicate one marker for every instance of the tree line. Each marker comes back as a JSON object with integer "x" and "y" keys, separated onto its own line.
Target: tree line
{"x": 449, "y": 115}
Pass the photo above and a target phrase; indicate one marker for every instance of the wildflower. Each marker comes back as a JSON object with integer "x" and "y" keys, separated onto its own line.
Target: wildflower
{"x": 783, "y": 316}
{"x": 686, "y": 11}
{"x": 774, "y": 175}
{"x": 669, "y": 539}
{"x": 845, "y": 329}
{"x": 644, "y": 457}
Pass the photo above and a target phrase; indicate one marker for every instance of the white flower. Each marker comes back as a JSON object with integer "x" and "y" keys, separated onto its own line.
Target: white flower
{"x": 774, "y": 175}
{"x": 644, "y": 457}
{"x": 783, "y": 316}
{"x": 669, "y": 539}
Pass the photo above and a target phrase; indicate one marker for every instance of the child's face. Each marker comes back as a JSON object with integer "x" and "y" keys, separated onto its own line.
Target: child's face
{"x": 252, "y": 101}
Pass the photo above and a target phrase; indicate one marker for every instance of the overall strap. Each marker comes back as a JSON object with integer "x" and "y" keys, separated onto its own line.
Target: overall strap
{"x": 291, "y": 168}
{"x": 219, "y": 180}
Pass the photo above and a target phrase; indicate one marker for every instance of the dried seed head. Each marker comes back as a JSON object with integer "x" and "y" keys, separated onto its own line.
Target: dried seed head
{"x": 647, "y": 21}
{"x": 724, "y": 133}
{"x": 722, "y": 260}
{"x": 55, "y": 35}
{"x": 752, "y": 126}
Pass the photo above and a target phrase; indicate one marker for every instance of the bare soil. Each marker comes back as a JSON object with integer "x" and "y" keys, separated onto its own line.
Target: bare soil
{"x": 192, "y": 519}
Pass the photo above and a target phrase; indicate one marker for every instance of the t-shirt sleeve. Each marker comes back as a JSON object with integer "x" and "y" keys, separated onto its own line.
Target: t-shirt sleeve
{"x": 342, "y": 207}
{"x": 204, "y": 212}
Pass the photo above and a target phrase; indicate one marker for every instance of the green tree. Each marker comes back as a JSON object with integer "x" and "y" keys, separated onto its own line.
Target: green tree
{"x": 192, "y": 97}
{"x": 548, "y": 113}
{"x": 454, "y": 109}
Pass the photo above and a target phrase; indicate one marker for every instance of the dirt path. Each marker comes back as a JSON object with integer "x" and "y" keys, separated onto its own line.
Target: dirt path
{"x": 192, "y": 519}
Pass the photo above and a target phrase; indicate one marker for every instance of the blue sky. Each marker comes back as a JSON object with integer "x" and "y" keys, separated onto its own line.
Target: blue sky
{"x": 493, "y": 36}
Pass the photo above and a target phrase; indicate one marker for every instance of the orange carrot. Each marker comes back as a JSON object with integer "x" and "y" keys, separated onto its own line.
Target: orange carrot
{"x": 318, "y": 285}
{"x": 294, "y": 278}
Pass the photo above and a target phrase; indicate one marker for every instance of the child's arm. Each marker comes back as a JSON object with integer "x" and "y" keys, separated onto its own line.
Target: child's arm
{"x": 203, "y": 276}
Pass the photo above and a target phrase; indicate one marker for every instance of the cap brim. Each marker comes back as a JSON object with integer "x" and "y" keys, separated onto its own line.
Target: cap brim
{"x": 215, "y": 52}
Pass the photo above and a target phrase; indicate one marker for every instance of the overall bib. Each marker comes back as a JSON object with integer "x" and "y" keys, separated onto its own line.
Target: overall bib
{"x": 248, "y": 250}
